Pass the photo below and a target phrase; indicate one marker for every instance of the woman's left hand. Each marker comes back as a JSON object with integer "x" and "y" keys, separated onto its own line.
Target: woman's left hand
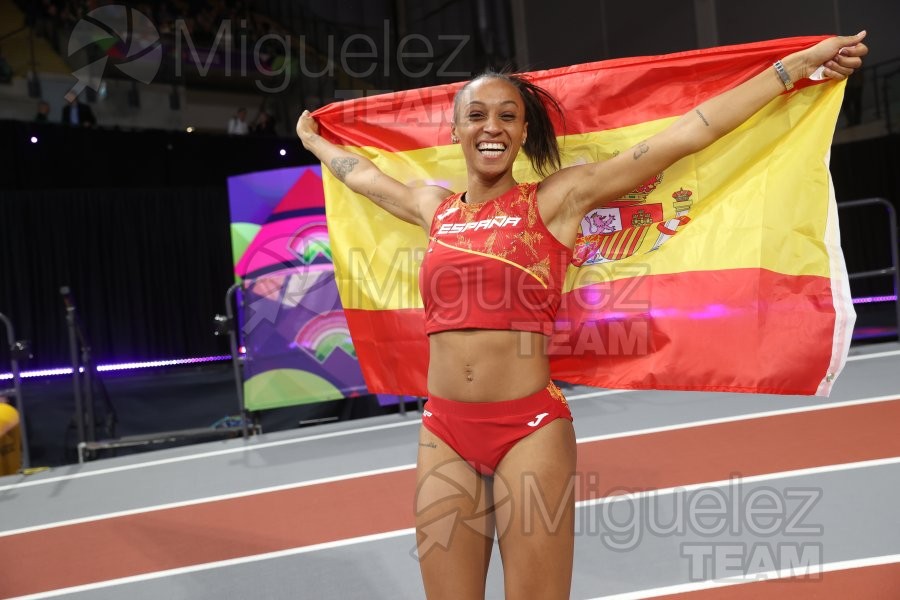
{"x": 840, "y": 56}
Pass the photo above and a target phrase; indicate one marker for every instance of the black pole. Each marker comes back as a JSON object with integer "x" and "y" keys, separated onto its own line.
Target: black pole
{"x": 74, "y": 338}
{"x": 235, "y": 352}
{"x": 88, "y": 382}
{"x": 73, "y": 355}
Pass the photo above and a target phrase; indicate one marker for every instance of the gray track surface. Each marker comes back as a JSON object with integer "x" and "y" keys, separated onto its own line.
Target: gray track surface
{"x": 854, "y": 515}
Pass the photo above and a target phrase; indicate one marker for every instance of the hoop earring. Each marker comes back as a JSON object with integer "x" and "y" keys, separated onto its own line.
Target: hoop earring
{"x": 454, "y": 139}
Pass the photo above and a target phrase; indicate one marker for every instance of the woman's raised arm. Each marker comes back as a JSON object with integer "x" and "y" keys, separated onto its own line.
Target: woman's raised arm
{"x": 413, "y": 205}
{"x": 581, "y": 188}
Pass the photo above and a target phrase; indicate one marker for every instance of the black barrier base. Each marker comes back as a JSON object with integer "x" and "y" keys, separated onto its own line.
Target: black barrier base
{"x": 90, "y": 450}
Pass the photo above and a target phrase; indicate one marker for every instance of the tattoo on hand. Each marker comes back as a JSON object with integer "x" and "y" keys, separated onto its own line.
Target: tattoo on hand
{"x": 427, "y": 444}
{"x": 343, "y": 165}
{"x": 641, "y": 149}
{"x": 702, "y": 118}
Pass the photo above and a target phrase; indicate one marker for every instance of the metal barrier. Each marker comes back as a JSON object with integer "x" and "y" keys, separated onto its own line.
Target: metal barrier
{"x": 16, "y": 348}
{"x": 886, "y": 91}
{"x": 88, "y": 448}
{"x": 893, "y": 270}
{"x": 236, "y": 359}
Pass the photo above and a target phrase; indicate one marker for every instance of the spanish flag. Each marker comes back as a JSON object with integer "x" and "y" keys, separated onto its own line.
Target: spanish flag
{"x": 722, "y": 273}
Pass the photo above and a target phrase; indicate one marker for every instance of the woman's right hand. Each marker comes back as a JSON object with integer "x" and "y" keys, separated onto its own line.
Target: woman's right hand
{"x": 840, "y": 56}
{"x": 307, "y": 128}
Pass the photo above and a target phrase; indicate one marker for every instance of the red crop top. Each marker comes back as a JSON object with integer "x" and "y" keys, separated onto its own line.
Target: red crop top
{"x": 492, "y": 265}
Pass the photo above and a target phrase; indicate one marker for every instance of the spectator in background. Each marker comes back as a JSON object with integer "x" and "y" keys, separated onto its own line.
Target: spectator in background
{"x": 43, "y": 112}
{"x": 237, "y": 125}
{"x": 264, "y": 124}
{"x": 77, "y": 114}
{"x": 6, "y": 71}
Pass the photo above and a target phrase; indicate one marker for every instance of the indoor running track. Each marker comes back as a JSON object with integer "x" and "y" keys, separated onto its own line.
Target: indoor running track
{"x": 680, "y": 495}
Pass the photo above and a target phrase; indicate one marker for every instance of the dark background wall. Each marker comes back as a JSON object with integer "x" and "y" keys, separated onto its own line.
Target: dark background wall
{"x": 562, "y": 32}
{"x": 136, "y": 223}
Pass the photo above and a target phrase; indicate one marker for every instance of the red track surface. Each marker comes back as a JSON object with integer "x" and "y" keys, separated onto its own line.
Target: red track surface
{"x": 165, "y": 539}
{"x": 870, "y": 583}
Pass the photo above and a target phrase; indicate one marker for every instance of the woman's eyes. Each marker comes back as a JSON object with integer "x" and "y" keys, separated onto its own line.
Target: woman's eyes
{"x": 473, "y": 116}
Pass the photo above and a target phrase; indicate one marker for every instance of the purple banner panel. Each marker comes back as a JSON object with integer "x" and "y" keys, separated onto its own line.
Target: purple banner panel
{"x": 298, "y": 346}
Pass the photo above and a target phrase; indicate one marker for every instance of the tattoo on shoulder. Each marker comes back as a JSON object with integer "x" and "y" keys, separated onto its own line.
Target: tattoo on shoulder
{"x": 641, "y": 150}
{"x": 702, "y": 118}
{"x": 427, "y": 444}
{"x": 343, "y": 165}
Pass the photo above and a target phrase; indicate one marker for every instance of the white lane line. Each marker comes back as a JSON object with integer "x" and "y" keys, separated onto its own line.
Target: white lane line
{"x": 745, "y": 417}
{"x": 799, "y": 571}
{"x": 410, "y": 531}
{"x": 583, "y": 503}
{"x": 250, "y": 446}
{"x": 873, "y": 355}
{"x": 583, "y": 440}
{"x": 602, "y": 393}
{"x": 207, "y": 499}
{"x": 750, "y": 479}
{"x": 254, "y": 447}
{"x": 216, "y": 565}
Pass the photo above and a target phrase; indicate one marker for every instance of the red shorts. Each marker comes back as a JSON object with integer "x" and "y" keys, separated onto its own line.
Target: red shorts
{"x": 483, "y": 432}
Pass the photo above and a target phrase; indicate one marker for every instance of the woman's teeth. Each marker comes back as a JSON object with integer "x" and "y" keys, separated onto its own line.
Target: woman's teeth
{"x": 491, "y": 150}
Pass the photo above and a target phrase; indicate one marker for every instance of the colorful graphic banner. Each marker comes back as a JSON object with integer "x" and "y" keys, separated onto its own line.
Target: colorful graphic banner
{"x": 298, "y": 347}
{"x": 723, "y": 273}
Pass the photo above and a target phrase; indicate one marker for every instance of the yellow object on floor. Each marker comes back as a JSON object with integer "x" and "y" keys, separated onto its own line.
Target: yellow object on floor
{"x": 10, "y": 440}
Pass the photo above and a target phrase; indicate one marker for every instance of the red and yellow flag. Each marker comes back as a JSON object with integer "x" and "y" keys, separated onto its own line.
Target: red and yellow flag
{"x": 722, "y": 273}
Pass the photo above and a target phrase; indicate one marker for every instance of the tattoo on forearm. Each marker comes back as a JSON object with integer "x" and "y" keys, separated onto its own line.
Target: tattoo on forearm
{"x": 343, "y": 165}
{"x": 376, "y": 196}
{"x": 380, "y": 198}
{"x": 641, "y": 150}
{"x": 702, "y": 118}
{"x": 427, "y": 444}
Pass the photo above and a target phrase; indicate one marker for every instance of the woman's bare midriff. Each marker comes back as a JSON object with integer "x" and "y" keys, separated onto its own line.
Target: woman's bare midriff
{"x": 485, "y": 365}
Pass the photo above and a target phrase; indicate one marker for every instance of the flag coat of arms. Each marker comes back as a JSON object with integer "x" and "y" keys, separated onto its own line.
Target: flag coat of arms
{"x": 722, "y": 273}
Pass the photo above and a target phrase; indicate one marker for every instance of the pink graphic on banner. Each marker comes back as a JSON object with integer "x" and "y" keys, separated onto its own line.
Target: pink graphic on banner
{"x": 292, "y": 323}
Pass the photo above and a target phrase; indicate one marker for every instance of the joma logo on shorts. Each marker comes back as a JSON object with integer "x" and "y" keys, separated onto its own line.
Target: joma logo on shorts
{"x": 537, "y": 420}
{"x": 476, "y": 225}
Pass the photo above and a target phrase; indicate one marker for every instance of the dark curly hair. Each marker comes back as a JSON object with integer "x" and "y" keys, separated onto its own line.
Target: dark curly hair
{"x": 541, "y": 146}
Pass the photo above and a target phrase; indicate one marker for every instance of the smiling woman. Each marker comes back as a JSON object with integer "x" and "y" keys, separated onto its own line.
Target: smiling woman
{"x": 528, "y": 100}
{"x": 491, "y": 284}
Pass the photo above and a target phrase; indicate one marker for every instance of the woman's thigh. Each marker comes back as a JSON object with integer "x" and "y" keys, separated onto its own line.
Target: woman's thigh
{"x": 536, "y": 525}
{"x": 454, "y": 522}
